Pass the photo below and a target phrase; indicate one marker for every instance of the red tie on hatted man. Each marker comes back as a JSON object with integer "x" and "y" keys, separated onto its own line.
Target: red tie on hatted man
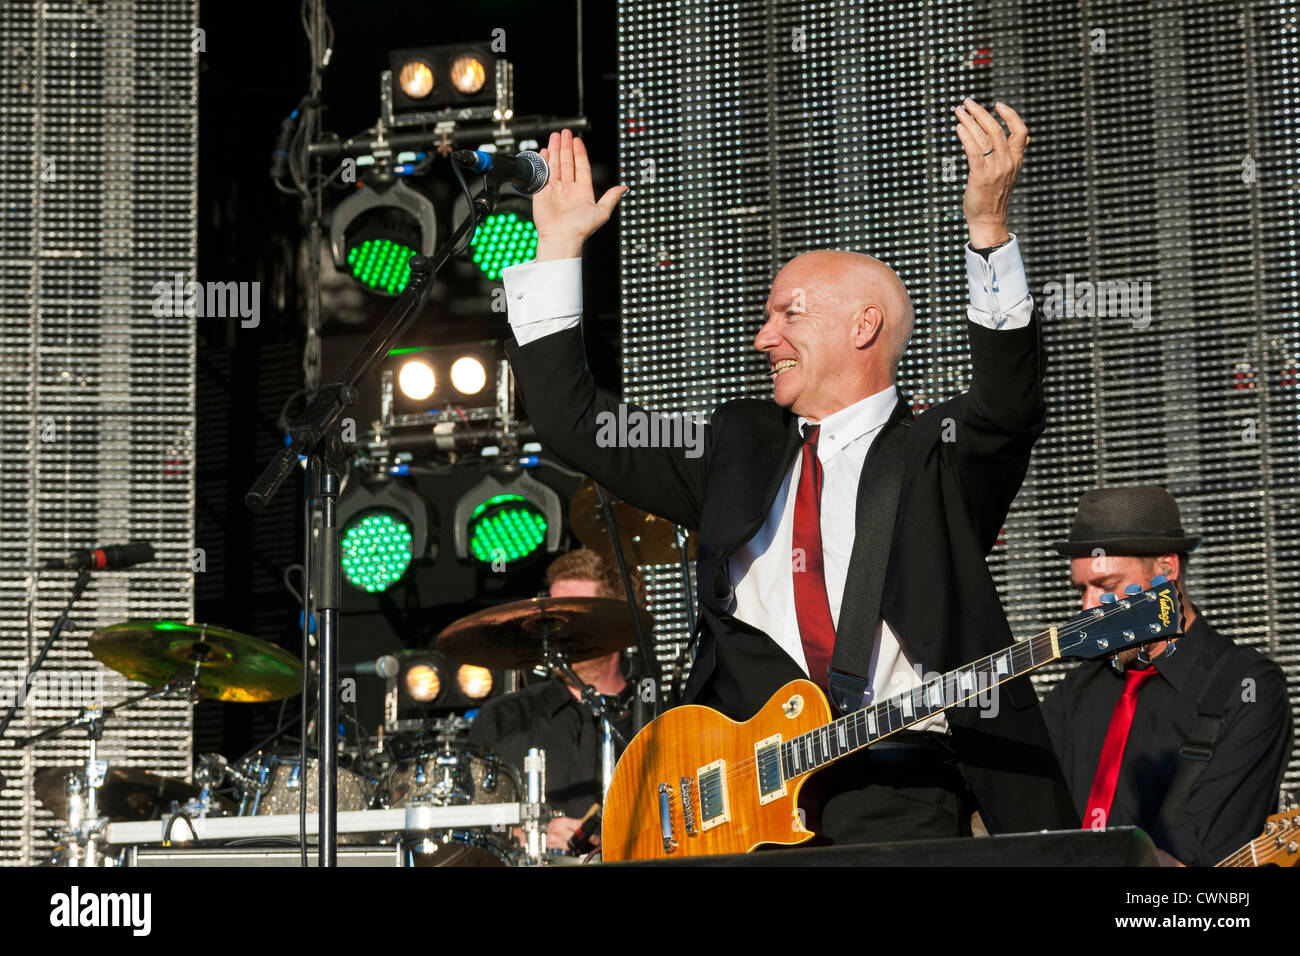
{"x": 1102, "y": 794}
{"x": 811, "y": 607}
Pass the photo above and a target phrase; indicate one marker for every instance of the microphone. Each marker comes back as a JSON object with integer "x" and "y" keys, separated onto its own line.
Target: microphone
{"x": 111, "y": 557}
{"x": 525, "y": 171}
{"x": 386, "y": 666}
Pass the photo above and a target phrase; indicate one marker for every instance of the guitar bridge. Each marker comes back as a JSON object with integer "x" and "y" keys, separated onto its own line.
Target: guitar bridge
{"x": 688, "y": 807}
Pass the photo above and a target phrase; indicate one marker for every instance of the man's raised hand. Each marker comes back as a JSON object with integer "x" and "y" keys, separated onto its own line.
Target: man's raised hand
{"x": 994, "y": 158}
{"x": 566, "y": 212}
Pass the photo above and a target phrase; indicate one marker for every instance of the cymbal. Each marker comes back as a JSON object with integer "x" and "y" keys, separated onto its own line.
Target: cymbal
{"x": 231, "y": 666}
{"x": 128, "y": 793}
{"x": 511, "y": 636}
{"x": 646, "y": 538}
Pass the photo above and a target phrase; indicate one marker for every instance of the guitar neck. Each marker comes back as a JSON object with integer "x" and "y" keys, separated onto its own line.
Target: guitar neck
{"x": 815, "y": 749}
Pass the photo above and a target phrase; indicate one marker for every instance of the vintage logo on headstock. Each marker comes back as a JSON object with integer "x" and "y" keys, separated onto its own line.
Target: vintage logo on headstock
{"x": 1166, "y": 607}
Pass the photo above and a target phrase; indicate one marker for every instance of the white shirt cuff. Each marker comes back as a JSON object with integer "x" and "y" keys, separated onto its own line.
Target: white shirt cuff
{"x": 543, "y": 297}
{"x": 999, "y": 291}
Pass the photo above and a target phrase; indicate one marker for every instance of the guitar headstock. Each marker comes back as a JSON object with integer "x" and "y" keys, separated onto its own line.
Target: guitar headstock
{"x": 1131, "y": 620}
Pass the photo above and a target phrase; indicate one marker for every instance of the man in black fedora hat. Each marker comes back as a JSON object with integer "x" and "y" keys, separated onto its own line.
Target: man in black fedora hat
{"x": 1187, "y": 739}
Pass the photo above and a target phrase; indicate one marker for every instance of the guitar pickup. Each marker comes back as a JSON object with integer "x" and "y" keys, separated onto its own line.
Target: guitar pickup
{"x": 714, "y": 809}
{"x": 767, "y": 757}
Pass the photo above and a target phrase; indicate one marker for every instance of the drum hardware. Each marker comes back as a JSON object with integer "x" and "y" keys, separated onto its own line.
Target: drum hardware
{"x": 416, "y": 819}
{"x": 83, "y": 837}
{"x": 597, "y": 703}
{"x": 534, "y": 826}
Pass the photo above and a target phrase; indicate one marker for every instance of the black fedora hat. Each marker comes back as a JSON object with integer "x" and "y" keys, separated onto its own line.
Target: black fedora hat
{"x": 1139, "y": 520}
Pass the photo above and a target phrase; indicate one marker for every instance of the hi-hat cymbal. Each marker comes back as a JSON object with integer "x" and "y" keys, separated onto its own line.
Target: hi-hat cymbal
{"x": 128, "y": 793}
{"x": 514, "y": 636}
{"x": 231, "y": 666}
{"x": 646, "y": 538}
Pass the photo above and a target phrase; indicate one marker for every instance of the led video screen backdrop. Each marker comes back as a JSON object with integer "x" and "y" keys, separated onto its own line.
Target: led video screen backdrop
{"x": 1156, "y": 211}
{"x": 97, "y": 198}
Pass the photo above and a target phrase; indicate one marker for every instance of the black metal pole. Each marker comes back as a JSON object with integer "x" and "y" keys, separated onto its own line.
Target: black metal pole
{"x": 327, "y": 557}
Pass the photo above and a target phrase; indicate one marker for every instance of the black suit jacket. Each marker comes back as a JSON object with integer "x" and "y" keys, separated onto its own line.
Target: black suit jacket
{"x": 965, "y": 461}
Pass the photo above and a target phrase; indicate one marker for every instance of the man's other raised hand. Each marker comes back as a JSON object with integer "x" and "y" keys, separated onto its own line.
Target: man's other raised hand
{"x": 994, "y": 158}
{"x": 566, "y": 212}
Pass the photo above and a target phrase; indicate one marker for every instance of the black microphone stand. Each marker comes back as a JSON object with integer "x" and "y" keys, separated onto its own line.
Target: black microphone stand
{"x": 83, "y": 579}
{"x": 316, "y": 437}
{"x": 645, "y": 649}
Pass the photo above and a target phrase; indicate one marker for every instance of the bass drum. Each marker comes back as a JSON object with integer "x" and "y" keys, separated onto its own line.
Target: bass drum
{"x": 454, "y": 775}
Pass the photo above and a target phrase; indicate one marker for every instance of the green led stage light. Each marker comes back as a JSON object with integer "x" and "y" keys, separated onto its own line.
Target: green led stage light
{"x": 378, "y": 228}
{"x": 506, "y": 528}
{"x": 381, "y": 265}
{"x": 503, "y": 239}
{"x": 507, "y": 517}
{"x": 376, "y": 550}
{"x": 383, "y": 529}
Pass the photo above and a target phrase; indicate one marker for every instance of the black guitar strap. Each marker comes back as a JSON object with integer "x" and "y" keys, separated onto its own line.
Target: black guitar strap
{"x": 879, "y": 490}
{"x": 1221, "y": 686}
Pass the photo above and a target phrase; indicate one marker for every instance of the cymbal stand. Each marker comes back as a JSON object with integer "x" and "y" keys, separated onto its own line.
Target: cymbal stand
{"x": 84, "y": 833}
{"x": 611, "y": 736}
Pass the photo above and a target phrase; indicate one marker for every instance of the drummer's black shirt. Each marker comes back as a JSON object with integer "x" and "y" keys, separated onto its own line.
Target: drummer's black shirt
{"x": 1240, "y": 783}
{"x": 548, "y": 716}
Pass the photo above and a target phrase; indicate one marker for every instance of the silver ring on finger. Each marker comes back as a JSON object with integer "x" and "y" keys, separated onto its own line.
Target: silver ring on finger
{"x": 988, "y": 151}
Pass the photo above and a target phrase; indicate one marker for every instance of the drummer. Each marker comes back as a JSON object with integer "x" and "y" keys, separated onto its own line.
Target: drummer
{"x": 551, "y": 716}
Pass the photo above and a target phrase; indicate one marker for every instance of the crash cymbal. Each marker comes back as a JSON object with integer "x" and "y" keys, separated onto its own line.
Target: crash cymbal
{"x": 511, "y": 636}
{"x": 128, "y": 793}
{"x": 231, "y": 666}
{"x": 646, "y": 538}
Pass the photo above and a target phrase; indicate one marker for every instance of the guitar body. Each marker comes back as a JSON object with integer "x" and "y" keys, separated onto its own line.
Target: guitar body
{"x": 723, "y": 811}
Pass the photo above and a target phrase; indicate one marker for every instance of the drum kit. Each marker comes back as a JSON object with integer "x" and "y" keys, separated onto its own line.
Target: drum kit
{"x": 439, "y": 800}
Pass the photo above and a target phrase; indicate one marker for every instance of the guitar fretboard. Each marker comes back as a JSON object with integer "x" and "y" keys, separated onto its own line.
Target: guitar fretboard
{"x": 809, "y": 751}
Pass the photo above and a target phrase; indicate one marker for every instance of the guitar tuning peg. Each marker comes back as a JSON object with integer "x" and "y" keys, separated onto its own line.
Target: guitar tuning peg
{"x": 1133, "y": 589}
{"x": 1108, "y": 598}
{"x": 1158, "y": 580}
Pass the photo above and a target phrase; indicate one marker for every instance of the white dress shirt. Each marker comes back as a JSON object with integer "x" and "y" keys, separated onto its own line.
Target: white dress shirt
{"x": 546, "y": 297}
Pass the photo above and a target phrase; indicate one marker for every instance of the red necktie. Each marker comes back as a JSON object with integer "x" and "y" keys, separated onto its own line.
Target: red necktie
{"x": 811, "y": 607}
{"x": 1112, "y": 751}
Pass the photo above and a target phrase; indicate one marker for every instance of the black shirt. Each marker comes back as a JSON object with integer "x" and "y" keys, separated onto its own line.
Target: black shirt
{"x": 548, "y": 716}
{"x": 1239, "y": 785}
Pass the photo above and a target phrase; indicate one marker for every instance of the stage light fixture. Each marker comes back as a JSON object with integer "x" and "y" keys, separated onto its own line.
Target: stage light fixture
{"x": 506, "y": 238}
{"x": 474, "y": 682}
{"x": 506, "y": 518}
{"x": 433, "y": 83}
{"x": 383, "y": 528}
{"x": 416, "y": 379}
{"x": 430, "y": 682}
{"x": 468, "y": 375}
{"x": 464, "y": 376}
{"x": 468, "y": 73}
{"x": 423, "y": 683}
{"x": 416, "y": 79}
{"x": 375, "y": 231}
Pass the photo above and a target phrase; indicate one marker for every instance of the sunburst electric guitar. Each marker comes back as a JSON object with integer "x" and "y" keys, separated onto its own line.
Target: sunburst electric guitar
{"x": 694, "y": 783}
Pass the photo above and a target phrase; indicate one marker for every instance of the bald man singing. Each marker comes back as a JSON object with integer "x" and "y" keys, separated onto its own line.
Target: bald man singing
{"x": 841, "y": 538}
